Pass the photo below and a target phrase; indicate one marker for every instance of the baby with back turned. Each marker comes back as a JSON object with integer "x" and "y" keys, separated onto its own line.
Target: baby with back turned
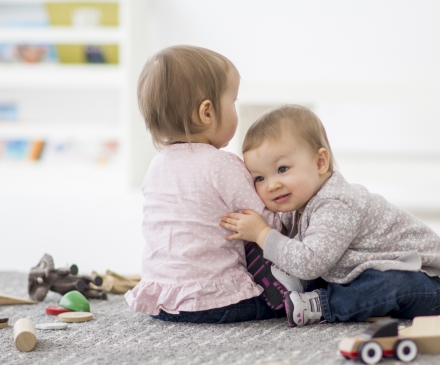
{"x": 190, "y": 272}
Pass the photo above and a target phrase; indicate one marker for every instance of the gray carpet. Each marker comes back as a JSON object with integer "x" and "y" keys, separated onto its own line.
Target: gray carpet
{"x": 118, "y": 335}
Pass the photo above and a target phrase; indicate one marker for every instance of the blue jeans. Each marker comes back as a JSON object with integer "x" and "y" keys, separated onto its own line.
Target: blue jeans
{"x": 246, "y": 310}
{"x": 400, "y": 294}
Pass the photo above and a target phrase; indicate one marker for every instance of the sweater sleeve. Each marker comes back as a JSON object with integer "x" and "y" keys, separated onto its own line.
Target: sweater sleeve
{"x": 331, "y": 230}
{"x": 235, "y": 186}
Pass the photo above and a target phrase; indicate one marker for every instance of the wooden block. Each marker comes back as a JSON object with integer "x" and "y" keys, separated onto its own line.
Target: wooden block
{"x": 115, "y": 283}
{"x": 4, "y": 324}
{"x": 51, "y": 326}
{"x": 75, "y": 317}
{"x": 8, "y": 300}
{"x": 376, "y": 319}
{"x": 24, "y": 335}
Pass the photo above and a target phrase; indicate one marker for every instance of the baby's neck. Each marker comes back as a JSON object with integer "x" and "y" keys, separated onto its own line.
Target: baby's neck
{"x": 195, "y": 138}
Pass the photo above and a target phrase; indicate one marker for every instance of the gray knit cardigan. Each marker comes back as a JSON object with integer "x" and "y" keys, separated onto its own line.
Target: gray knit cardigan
{"x": 345, "y": 230}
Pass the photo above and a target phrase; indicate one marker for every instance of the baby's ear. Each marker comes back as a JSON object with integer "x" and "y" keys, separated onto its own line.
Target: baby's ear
{"x": 206, "y": 113}
{"x": 323, "y": 161}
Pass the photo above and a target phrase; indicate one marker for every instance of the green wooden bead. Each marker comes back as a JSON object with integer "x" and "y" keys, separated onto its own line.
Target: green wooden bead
{"x": 75, "y": 301}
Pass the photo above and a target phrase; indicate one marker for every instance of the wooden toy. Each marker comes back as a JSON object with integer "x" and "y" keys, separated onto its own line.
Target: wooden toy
{"x": 383, "y": 338}
{"x": 115, "y": 283}
{"x": 56, "y": 309}
{"x": 7, "y": 300}
{"x": 376, "y": 319}
{"x": 51, "y": 326}
{"x": 24, "y": 335}
{"x": 425, "y": 331}
{"x": 45, "y": 277}
{"x": 75, "y": 317}
{"x": 4, "y": 322}
{"x": 75, "y": 301}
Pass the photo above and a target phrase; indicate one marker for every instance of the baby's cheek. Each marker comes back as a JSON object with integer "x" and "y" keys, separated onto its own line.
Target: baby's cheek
{"x": 260, "y": 191}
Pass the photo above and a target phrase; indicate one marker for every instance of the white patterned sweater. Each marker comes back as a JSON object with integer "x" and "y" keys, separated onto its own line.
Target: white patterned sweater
{"x": 345, "y": 230}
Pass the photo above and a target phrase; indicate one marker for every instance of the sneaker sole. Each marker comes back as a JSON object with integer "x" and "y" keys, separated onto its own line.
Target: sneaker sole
{"x": 260, "y": 268}
{"x": 289, "y": 310}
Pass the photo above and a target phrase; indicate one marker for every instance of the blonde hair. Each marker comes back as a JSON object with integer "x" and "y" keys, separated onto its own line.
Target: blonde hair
{"x": 172, "y": 86}
{"x": 295, "y": 119}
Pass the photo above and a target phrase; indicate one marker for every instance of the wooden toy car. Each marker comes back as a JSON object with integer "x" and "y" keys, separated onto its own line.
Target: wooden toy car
{"x": 384, "y": 339}
{"x": 45, "y": 277}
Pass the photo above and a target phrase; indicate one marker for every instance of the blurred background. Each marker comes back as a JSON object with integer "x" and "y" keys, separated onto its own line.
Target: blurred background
{"x": 73, "y": 148}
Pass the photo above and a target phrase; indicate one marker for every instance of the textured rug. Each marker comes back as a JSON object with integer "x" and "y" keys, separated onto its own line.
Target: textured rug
{"x": 118, "y": 335}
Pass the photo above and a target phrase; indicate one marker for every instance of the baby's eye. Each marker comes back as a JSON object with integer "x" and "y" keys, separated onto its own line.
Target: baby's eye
{"x": 259, "y": 179}
{"x": 282, "y": 169}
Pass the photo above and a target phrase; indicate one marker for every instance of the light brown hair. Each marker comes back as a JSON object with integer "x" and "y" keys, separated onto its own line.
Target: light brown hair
{"x": 289, "y": 118}
{"x": 172, "y": 86}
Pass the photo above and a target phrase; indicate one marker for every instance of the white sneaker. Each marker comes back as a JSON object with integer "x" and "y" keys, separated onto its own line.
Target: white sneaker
{"x": 303, "y": 308}
{"x": 291, "y": 283}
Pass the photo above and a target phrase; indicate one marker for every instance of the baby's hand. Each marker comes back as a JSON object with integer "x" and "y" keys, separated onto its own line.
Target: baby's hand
{"x": 249, "y": 225}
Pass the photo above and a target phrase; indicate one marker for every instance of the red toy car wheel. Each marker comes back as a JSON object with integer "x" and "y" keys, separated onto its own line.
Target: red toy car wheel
{"x": 405, "y": 350}
{"x": 370, "y": 352}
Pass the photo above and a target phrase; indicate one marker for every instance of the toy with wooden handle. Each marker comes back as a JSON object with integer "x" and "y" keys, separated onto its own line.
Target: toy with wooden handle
{"x": 24, "y": 335}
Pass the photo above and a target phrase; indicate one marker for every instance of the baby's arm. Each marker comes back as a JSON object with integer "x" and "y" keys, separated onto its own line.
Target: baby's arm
{"x": 324, "y": 241}
{"x": 236, "y": 187}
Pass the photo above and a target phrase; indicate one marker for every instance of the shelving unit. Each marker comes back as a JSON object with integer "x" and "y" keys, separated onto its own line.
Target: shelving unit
{"x": 56, "y": 76}
{"x": 82, "y": 103}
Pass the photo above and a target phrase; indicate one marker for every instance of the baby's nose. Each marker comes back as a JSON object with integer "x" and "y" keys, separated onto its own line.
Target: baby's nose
{"x": 274, "y": 186}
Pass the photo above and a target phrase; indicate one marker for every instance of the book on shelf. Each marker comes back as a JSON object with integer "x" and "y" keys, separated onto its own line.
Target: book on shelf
{"x": 77, "y": 14}
{"x": 81, "y": 14}
{"x": 15, "y": 149}
{"x": 23, "y": 15}
{"x": 55, "y": 151}
{"x": 8, "y": 111}
{"x": 59, "y": 53}
{"x": 28, "y": 53}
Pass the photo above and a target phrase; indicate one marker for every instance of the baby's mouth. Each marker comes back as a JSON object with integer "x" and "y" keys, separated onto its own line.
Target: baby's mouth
{"x": 282, "y": 198}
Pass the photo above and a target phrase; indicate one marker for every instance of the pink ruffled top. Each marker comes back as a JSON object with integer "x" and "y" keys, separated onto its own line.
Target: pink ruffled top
{"x": 187, "y": 263}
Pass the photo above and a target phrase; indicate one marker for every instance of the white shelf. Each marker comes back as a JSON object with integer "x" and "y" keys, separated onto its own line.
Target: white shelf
{"x": 43, "y": 76}
{"x": 37, "y": 130}
{"x": 64, "y": 35}
{"x": 86, "y": 104}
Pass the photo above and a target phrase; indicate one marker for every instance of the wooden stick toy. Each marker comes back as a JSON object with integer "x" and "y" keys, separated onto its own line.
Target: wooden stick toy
{"x": 24, "y": 335}
{"x": 7, "y": 300}
{"x": 115, "y": 283}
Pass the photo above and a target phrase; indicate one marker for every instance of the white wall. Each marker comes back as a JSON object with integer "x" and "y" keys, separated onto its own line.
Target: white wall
{"x": 313, "y": 41}
{"x": 368, "y": 68}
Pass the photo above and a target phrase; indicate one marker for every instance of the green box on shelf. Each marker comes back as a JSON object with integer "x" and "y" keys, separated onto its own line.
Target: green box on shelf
{"x": 83, "y": 13}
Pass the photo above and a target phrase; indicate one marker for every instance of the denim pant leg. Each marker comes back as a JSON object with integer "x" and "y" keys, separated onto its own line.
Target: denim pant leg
{"x": 401, "y": 294}
{"x": 246, "y": 310}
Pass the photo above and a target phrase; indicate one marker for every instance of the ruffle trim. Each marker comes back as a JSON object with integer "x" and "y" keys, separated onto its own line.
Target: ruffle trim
{"x": 150, "y": 296}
